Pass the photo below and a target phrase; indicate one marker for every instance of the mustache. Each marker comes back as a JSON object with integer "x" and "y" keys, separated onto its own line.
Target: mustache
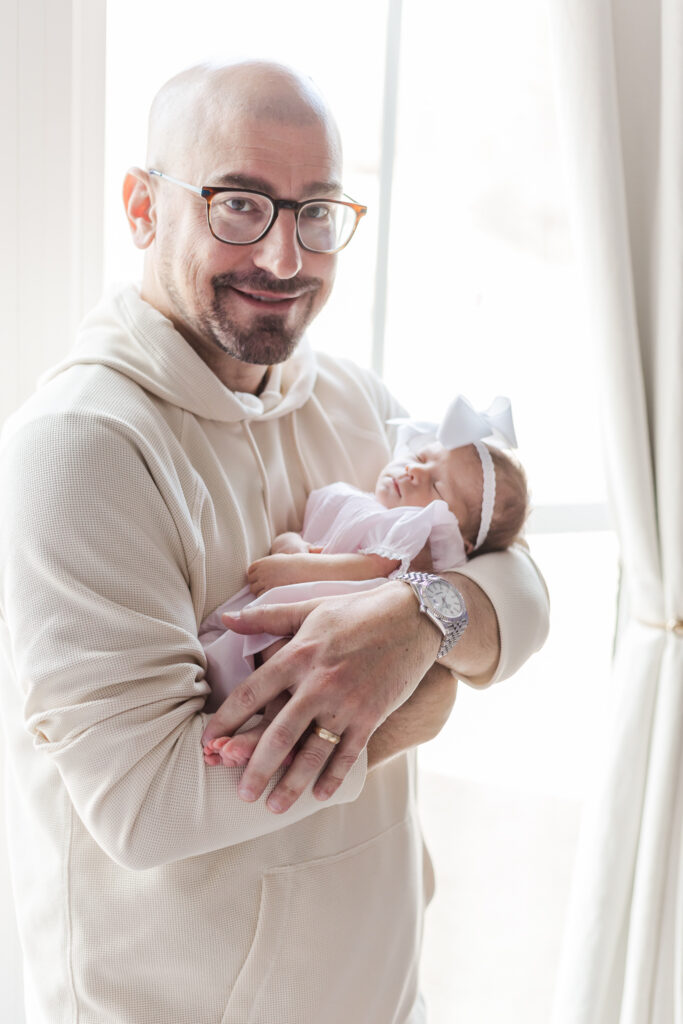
{"x": 261, "y": 281}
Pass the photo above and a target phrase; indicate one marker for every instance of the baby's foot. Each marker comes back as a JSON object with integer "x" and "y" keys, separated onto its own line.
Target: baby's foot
{"x": 233, "y": 752}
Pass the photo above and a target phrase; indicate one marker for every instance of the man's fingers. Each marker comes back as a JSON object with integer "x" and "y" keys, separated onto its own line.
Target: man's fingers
{"x": 271, "y": 753}
{"x": 235, "y": 751}
{"x": 342, "y": 761}
{"x": 268, "y": 652}
{"x": 278, "y": 619}
{"x": 308, "y": 763}
{"x": 261, "y": 690}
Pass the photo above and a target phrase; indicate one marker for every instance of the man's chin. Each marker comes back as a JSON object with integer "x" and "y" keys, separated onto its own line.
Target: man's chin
{"x": 264, "y": 344}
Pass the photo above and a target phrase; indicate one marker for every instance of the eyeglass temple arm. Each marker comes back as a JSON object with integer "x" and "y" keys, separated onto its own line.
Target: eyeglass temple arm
{"x": 183, "y": 184}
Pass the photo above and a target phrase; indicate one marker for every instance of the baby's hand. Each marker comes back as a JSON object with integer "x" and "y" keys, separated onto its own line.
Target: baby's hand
{"x": 277, "y": 571}
{"x": 289, "y": 544}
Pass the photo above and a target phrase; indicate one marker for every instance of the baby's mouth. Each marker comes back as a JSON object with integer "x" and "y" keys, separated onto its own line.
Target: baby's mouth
{"x": 398, "y": 489}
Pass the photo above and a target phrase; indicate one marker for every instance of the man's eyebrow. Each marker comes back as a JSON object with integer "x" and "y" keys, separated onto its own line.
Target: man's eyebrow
{"x": 312, "y": 188}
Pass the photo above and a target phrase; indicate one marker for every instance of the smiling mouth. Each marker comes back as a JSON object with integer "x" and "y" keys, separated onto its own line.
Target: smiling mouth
{"x": 397, "y": 488}
{"x": 268, "y": 298}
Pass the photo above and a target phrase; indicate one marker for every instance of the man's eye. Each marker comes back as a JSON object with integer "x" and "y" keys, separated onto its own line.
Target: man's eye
{"x": 317, "y": 211}
{"x": 238, "y": 204}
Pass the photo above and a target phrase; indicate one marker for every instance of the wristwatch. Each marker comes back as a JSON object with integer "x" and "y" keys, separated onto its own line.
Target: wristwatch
{"x": 442, "y": 603}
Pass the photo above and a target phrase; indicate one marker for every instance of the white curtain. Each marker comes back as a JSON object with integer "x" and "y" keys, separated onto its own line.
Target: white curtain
{"x": 619, "y": 70}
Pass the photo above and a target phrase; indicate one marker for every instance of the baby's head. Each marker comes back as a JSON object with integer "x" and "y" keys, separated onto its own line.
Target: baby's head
{"x": 456, "y": 476}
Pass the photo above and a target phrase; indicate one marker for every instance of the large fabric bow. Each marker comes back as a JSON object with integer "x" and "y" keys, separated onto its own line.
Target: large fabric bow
{"x": 462, "y": 424}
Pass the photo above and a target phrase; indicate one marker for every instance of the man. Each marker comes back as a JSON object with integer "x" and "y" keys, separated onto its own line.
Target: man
{"x": 149, "y": 470}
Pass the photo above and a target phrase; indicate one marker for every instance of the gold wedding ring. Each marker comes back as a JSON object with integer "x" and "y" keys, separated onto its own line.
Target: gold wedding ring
{"x": 327, "y": 734}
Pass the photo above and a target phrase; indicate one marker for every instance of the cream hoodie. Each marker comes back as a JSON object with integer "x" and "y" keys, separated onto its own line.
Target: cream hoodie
{"x": 134, "y": 491}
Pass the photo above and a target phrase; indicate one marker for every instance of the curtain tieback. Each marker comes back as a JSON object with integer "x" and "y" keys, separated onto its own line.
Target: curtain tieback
{"x": 674, "y": 626}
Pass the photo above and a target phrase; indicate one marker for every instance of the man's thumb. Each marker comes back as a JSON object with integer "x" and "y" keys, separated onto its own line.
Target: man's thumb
{"x": 278, "y": 619}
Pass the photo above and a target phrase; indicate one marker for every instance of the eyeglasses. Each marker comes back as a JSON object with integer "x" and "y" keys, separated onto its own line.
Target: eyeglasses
{"x": 242, "y": 216}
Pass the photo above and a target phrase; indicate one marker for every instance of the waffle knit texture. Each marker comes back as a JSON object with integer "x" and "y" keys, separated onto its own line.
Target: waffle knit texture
{"x": 135, "y": 489}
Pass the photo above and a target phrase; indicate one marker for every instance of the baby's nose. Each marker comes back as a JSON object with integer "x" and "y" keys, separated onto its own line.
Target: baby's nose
{"x": 416, "y": 471}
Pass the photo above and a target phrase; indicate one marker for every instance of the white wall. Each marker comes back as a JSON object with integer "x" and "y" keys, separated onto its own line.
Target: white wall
{"x": 51, "y": 180}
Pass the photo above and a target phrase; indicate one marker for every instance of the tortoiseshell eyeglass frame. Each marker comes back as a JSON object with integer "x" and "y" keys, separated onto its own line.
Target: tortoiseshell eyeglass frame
{"x": 209, "y": 192}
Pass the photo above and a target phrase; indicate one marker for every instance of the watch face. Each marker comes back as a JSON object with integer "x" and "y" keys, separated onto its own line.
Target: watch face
{"x": 444, "y": 599}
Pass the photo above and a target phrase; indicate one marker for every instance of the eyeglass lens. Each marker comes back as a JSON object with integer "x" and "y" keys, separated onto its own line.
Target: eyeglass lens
{"x": 241, "y": 217}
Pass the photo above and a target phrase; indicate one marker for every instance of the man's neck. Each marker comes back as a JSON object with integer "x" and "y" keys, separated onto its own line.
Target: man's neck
{"x": 249, "y": 378}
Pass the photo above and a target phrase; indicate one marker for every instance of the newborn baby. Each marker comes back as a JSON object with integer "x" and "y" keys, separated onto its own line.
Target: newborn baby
{"x": 428, "y": 513}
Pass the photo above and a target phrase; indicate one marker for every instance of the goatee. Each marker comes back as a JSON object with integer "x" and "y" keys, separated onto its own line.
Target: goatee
{"x": 267, "y": 340}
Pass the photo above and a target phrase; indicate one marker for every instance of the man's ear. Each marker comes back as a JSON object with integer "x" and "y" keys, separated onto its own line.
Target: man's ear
{"x": 469, "y": 547}
{"x": 138, "y": 201}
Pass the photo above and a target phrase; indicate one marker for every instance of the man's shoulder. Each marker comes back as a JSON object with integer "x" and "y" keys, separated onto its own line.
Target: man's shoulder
{"x": 89, "y": 391}
{"x": 86, "y": 410}
{"x": 336, "y": 366}
{"x": 338, "y": 376}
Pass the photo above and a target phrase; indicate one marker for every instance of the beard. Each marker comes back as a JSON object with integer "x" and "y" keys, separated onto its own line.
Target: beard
{"x": 266, "y": 339}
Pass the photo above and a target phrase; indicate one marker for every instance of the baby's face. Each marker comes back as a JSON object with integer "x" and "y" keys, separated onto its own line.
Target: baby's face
{"x": 455, "y": 476}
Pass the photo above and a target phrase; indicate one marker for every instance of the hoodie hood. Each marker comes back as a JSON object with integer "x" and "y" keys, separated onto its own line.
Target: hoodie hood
{"x": 128, "y": 335}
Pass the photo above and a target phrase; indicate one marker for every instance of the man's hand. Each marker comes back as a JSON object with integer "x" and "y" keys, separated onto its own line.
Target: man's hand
{"x": 235, "y": 751}
{"x": 352, "y": 661}
{"x": 419, "y": 720}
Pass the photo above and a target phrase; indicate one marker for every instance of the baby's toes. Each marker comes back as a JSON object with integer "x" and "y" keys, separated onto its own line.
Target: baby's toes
{"x": 234, "y": 758}
{"x": 214, "y": 746}
{"x": 237, "y": 751}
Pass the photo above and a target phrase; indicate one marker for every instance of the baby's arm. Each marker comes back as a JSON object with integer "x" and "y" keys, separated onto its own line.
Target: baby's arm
{"x": 279, "y": 570}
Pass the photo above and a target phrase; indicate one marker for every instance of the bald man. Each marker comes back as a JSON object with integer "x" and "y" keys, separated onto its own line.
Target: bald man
{"x": 149, "y": 470}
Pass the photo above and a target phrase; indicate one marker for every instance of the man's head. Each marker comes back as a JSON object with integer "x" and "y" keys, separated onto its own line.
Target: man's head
{"x": 258, "y": 126}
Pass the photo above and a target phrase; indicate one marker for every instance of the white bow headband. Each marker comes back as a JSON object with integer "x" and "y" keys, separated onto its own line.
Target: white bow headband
{"x": 462, "y": 424}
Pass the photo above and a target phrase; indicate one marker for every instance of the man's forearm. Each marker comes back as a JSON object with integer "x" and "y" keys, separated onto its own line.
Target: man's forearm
{"x": 423, "y": 715}
{"x": 417, "y": 721}
{"x": 476, "y": 653}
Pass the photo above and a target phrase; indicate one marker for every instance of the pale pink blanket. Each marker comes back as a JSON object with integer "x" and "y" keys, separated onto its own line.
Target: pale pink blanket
{"x": 340, "y": 519}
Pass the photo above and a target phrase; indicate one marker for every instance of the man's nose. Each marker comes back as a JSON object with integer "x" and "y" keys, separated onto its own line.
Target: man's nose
{"x": 279, "y": 252}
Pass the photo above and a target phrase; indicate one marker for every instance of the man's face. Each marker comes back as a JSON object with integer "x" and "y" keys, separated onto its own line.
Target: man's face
{"x": 252, "y": 302}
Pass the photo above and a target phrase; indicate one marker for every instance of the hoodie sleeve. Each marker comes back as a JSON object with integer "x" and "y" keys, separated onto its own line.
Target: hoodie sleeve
{"x": 515, "y": 587}
{"x": 103, "y": 635}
